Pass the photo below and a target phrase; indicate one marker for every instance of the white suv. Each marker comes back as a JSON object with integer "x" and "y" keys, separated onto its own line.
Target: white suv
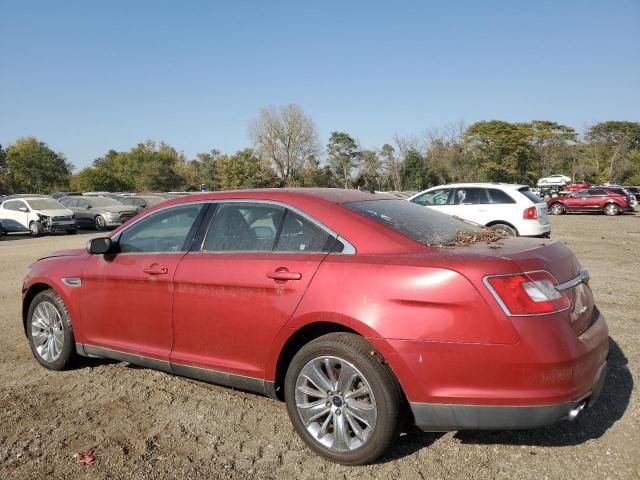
{"x": 36, "y": 215}
{"x": 513, "y": 209}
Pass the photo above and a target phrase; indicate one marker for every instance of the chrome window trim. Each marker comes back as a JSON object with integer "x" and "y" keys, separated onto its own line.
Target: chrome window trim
{"x": 348, "y": 249}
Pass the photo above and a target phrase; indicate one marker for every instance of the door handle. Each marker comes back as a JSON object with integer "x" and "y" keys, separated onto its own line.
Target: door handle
{"x": 284, "y": 275}
{"x": 155, "y": 270}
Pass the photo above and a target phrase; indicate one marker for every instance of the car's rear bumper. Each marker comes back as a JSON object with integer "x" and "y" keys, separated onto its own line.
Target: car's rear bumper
{"x": 440, "y": 417}
{"x": 533, "y": 228}
{"x": 537, "y": 381}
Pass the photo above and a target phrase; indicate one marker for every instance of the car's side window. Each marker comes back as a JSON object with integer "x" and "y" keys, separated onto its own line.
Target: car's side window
{"x": 498, "y": 196}
{"x": 13, "y": 205}
{"x": 301, "y": 235}
{"x": 71, "y": 203}
{"x": 581, "y": 193}
{"x": 82, "y": 204}
{"x": 597, "y": 193}
{"x": 163, "y": 231}
{"x": 435, "y": 197}
{"x": 470, "y": 196}
{"x": 243, "y": 227}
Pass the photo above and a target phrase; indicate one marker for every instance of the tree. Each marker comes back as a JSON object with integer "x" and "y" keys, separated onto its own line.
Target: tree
{"x": 243, "y": 170}
{"x": 502, "y": 151}
{"x": 415, "y": 172}
{"x": 618, "y": 142}
{"x": 33, "y": 167}
{"x": 370, "y": 171}
{"x": 285, "y": 138}
{"x": 552, "y": 143}
{"x": 392, "y": 167}
{"x": 343, "y": 156}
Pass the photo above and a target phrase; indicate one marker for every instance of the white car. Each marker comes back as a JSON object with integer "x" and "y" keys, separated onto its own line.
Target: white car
{"x": 36, "y": 215}
{"x": 554, "y": 180}
{"x": 510, "y": 208}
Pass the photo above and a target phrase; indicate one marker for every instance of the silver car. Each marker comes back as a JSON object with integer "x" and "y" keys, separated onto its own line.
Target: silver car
{"x": 99, "y": 212}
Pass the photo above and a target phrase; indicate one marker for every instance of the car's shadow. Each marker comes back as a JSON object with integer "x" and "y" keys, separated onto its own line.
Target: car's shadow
{"x": 591, "y": 424}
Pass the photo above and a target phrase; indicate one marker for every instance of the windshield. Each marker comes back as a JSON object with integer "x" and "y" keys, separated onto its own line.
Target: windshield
{"x": 104, "y": 202}
{"x": 530, "y": 195}
{"x": 45, "y": 204}
{"x": 422, "y": 223}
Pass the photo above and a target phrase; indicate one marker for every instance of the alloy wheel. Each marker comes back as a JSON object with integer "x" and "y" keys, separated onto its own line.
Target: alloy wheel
{"x": 47, "y": 331}
{"x": 335, "y": 403}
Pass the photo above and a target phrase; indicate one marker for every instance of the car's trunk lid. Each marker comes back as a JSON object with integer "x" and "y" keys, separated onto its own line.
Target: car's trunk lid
{"x": 530, "y": 254}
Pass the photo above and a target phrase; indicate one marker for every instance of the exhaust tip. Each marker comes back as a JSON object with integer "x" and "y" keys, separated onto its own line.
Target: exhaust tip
{"x": 573, "y": 413}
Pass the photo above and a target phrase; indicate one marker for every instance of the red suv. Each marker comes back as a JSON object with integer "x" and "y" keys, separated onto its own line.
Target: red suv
{"x": 361, "y": 311}
{"x": 599, "y": 199}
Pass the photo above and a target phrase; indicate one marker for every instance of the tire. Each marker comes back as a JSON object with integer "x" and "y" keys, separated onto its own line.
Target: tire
{"x": 49, "y": 331}
{"x": 72, "y": 231}
{"x": 503, "y": 227}
{"x": 100, "y": 223}
{"x": 557, "y": 209}
{"x": 611, "y": 209}
{"x": 379, "y": 404}
{"x": 35, "y": 229}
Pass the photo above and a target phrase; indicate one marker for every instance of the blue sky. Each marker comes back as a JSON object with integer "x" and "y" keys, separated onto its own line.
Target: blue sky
{"x": 88, "y": 76}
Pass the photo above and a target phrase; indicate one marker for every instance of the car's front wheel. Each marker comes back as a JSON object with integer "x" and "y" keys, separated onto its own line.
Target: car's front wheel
{"x": 100, "y": 223}
{"x": 49, "y": 331}
{"x": 35, "y": 229}
{"x": 343, "y": 399}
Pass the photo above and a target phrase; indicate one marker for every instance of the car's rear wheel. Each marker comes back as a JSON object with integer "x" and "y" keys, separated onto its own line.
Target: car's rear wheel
{"x": 556, "y": 209}
{"x": 100, "y": 223}
{"x": 611, "y": 209}
{"x": 49, "y": 331}
{"x": 507, "y": 229}
{"x": 35, "y": 229}
{"x": 343, "y": 400}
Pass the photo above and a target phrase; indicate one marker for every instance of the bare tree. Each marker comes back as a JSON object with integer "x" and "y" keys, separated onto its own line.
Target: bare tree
{"x": 286, "y": 138}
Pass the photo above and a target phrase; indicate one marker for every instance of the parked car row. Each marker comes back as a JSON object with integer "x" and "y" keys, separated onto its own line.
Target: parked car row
{"x": 68, "y": 211}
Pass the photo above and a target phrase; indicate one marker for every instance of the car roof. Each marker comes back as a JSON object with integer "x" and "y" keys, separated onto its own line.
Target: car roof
{"x": 331, "y": 195}
{"x": 506, "y": 186}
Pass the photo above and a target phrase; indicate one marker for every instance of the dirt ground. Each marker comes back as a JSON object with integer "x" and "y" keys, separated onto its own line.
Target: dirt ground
{"x": 147, "y": 424}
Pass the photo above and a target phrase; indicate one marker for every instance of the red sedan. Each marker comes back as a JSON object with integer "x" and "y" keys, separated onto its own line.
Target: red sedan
{"x": 360, "y": 311}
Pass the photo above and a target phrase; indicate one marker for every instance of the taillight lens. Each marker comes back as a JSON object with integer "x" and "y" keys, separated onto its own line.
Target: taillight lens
{"x": 531, "y": 293}
{"x": 530, "y": 213}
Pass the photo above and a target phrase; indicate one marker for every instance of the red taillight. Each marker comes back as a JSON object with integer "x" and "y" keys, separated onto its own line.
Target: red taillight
{"x": 530, "y": 213}
{"x": 531, "y": 293}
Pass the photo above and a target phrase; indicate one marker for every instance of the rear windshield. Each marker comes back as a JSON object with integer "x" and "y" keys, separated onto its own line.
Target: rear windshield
{"x": 45, "y": 204}
{"x": 530, "y": 195}
{"x": 420, "y": 223}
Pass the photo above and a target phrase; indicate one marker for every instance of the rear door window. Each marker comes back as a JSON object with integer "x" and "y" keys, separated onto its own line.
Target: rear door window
{"x": 243, "y": 227}
{"x": 470, "y": 196}
{"x": 597, "y": 192}
{"x": 301, "y": 235}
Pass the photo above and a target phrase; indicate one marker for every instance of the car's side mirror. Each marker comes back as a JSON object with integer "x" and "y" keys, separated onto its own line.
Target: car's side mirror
{"x": 89, "y": 207}
{"x": 24, "y": 209}
{"x": 99, "y": 246}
